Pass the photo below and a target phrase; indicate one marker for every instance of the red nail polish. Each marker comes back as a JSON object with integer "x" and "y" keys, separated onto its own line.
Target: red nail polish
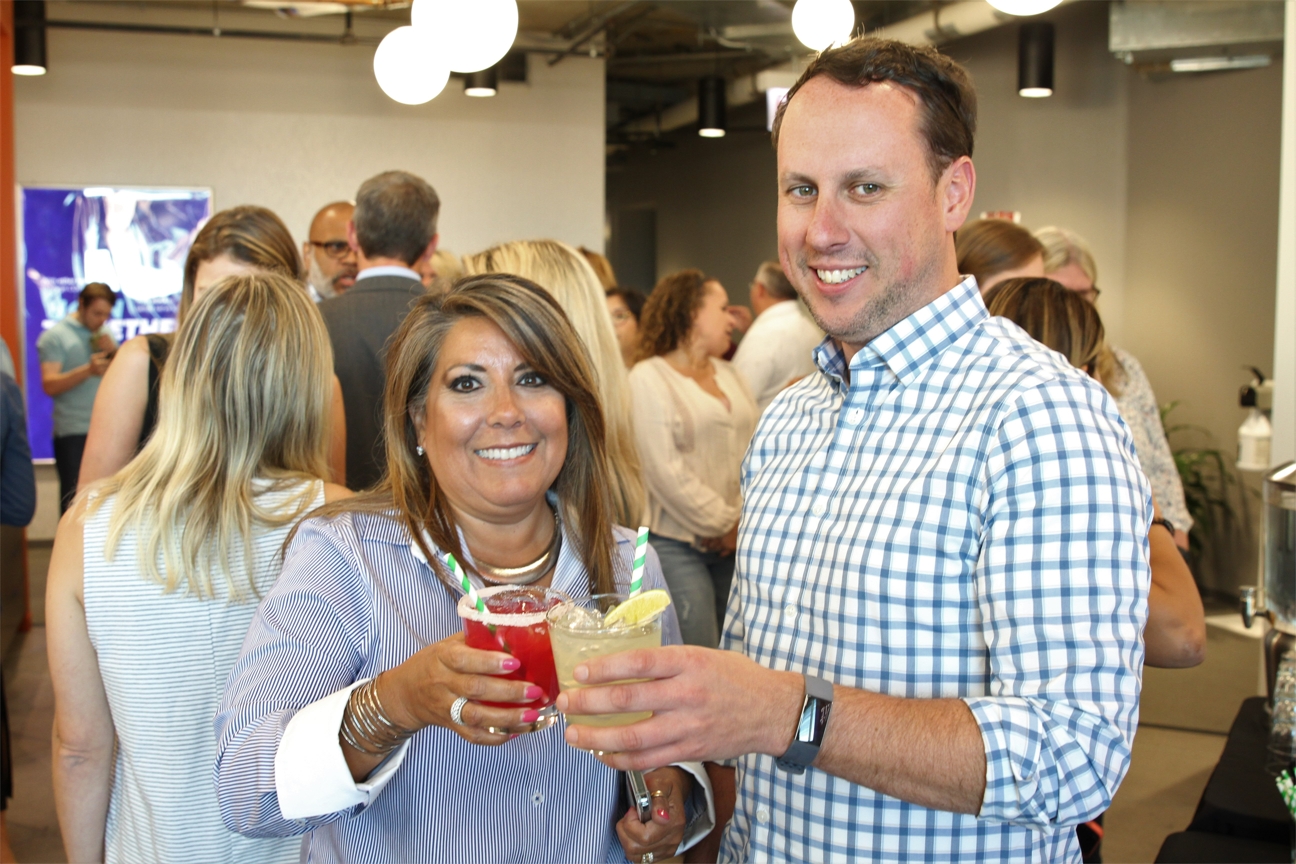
{"x": 530, "y": 715}
{"x": 663, "y": 812}
{"x": 511, "y": 664}
{"x": 533, "y": 692}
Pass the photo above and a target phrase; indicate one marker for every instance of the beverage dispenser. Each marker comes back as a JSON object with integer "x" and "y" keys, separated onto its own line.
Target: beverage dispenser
{"x": 1278, "y": 548}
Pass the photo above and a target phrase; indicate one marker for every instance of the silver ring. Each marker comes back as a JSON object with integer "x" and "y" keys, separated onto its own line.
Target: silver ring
{"x": 647, "y": 858}
{"x": 456, "y": 710}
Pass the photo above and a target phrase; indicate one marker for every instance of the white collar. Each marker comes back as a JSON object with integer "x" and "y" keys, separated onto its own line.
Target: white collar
{"x": 387, "y": 270}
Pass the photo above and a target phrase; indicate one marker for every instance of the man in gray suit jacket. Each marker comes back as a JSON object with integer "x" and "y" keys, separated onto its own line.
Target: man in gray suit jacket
{"x": 392, "y": 230}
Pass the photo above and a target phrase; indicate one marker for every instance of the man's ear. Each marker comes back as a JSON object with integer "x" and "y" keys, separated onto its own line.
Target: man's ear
{"x": 430, "y": 249}
{"x": 957, "y": 189}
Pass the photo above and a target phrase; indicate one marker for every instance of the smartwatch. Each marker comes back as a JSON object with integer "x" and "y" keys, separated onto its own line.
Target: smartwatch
{"x": 810, "y": 726}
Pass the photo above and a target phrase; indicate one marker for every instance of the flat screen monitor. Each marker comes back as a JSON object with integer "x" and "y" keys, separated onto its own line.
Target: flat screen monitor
{"x": 132, "y": 239}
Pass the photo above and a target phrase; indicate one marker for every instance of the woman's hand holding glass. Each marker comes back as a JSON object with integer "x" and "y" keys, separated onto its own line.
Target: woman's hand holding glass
{"x": 422, "y": 691}
{"x": 662, "y": 834}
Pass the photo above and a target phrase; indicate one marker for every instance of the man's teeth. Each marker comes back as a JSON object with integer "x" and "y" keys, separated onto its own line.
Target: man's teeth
{"x": 836, "y": 277}
{"x": 503, "y": 453}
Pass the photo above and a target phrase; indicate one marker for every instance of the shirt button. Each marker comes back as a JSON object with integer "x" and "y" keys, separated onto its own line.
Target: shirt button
{"x": 537, "y": 799}
{"x": 762, "y": 815}
{"x": 819, "y": 508}
{"x": 854, "y": 416}
{"x": 789, "y": 613}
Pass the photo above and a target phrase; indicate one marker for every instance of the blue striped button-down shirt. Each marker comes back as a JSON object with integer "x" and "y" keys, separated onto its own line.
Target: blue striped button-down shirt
{"x": 354, "y": 600}
{"x": 964, "y": 518}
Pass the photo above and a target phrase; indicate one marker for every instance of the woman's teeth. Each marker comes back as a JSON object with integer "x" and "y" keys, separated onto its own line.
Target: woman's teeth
{"x": 503, "y": 453}
{"x": 836, "y": 277}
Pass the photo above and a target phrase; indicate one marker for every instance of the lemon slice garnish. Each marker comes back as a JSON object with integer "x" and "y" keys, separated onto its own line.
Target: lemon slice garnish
{"x": 640, "y": 607}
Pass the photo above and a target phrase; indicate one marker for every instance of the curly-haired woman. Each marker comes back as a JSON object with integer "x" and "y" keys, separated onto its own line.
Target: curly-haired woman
{"x": 693, "y": 417}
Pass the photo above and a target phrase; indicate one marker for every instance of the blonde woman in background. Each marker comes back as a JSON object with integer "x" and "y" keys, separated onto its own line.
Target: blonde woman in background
{"x": 1069, "y": 261}
{"x": 440, "y": 271}
{"x": 156, "y": 573}
{"x": 567, "y": 275}
{"x": 234, "y": 242}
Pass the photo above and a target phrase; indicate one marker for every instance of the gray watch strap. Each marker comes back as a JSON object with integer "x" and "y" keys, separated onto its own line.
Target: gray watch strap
{"x": 810, "y": 726}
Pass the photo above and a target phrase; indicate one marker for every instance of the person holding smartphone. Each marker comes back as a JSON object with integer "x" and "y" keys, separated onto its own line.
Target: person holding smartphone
{"x": 74, "y": 355}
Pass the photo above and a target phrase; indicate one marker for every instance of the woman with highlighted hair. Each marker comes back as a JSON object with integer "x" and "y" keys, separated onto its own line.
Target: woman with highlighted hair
{"x": 356, "y": 714}
{"x": 156, "y": 573}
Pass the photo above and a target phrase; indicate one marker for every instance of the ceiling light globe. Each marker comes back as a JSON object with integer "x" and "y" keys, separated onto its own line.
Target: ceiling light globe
{"x": 472, "y": 34}
{"x": 820, "y": 24}
{"x": 1023, "y": 7}
{"x": 408, "y": 67}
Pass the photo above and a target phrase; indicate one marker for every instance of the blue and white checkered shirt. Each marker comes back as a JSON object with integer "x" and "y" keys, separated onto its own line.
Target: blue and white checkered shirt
{"x": 965, "y": 518}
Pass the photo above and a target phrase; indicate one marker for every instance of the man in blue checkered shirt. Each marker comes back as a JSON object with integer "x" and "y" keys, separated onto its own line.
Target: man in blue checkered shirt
{"x": 935, "y": 633}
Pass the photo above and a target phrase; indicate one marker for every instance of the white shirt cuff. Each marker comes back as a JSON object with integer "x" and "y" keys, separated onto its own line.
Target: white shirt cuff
{"x": 705, "y": 822}
{"x": 311, "y": 774}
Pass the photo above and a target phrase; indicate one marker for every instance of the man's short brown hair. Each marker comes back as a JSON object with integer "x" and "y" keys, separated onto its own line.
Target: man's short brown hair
{"x": 943, "y": 87}
{"x": 96, "y": 291}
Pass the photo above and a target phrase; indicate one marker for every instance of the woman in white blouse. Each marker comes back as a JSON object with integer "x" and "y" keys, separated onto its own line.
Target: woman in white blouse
{"x": 693, "y": 418}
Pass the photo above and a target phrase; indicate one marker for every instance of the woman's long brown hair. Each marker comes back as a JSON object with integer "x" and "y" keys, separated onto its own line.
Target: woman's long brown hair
{"x": 535, "y": 324}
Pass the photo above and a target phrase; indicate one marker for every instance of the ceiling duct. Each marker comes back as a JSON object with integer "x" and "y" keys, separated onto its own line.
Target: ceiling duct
{"x": 1201, "y": 36}
{"x": 930, "y": 28}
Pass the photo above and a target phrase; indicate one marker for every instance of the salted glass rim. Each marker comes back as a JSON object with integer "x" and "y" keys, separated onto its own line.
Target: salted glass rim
{"x": 470, "y": 612}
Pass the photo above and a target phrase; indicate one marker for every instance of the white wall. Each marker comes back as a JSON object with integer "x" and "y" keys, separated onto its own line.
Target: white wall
{"x": 293, "y": 126}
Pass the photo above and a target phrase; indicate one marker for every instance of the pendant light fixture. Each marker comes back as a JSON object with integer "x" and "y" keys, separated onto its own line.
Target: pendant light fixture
{"x": 471, "y": 34}
{"x": 483, "y": 83}
{"x": 711, "y": 107}
{"x": 1023, "y": 7}
{"x": 29, "y": 37}
{"x": 407, "y": 68}
{"x": 1035, "y": 60}
{"x": 820, "y": 24}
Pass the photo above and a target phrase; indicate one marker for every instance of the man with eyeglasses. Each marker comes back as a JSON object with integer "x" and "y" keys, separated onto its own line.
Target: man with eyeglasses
{"x": 330, "y": 260}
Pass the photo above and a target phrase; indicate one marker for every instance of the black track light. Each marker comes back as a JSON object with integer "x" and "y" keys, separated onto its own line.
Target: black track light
{"x": 29, "y": 37}
{"x": 1035, "y": 60}
{"x": 711, "y": 107}
{"x": 482, "y": 83}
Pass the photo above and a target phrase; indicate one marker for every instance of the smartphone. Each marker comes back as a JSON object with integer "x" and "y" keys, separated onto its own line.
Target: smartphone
{"x": 637, "y": 791}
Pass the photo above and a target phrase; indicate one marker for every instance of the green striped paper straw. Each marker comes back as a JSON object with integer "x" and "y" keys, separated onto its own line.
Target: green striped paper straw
{"x": 1287, "y": 789}
{"x": 469, "y": 588}
{"x": 473, "y": 597}
{"x": 640, "y": 559}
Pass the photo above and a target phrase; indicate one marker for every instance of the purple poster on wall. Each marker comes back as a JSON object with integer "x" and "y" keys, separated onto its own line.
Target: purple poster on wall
{"x": 134, "y": 240}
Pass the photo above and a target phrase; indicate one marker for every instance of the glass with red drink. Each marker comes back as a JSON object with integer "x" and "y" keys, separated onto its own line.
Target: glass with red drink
{"x": 514, "y": 622}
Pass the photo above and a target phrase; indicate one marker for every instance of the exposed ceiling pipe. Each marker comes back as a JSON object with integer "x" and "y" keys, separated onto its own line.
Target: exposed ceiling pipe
{"x": 930, "y": 28}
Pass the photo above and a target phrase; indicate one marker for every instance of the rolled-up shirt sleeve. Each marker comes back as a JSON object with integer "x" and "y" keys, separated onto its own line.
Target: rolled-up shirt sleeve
{"x": 1062, "y": 581}
{"x": 301, "y": 657}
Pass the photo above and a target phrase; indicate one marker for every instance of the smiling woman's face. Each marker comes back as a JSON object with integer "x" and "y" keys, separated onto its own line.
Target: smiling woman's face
{"x": 494, "y": 430}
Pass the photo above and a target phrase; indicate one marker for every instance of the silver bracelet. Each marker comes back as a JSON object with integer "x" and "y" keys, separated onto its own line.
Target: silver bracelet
{"x": 366, "y": 726}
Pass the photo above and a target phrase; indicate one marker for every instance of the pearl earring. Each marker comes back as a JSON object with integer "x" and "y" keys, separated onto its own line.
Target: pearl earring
{"x": 419, "y": 449}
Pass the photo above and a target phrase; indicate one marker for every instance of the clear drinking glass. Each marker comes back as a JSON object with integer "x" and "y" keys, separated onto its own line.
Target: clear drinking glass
{"x": 577, "y": 633}
{"x": 514, "y": 622}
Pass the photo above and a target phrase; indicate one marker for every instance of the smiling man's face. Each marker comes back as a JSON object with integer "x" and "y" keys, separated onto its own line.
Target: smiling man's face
{"x": 865, "y": 234}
